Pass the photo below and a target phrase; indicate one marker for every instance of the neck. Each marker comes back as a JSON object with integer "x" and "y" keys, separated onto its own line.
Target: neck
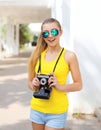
{"x": 54, "y": 49}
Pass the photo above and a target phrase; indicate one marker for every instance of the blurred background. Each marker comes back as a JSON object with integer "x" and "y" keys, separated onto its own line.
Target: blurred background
{"x": 20, "y": 22}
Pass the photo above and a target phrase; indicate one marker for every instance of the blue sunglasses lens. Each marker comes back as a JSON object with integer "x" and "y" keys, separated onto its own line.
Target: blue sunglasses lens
{"x": 54, "y": 32}
{"x": 45, "y": 34}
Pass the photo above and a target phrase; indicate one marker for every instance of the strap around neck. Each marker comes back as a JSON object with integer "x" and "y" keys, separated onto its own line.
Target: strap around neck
{"x": 39, "y": 68}
{"x": 58, "y": 59}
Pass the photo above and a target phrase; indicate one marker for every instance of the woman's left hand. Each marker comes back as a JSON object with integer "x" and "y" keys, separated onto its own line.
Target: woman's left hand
{"x": 53, "y": 81}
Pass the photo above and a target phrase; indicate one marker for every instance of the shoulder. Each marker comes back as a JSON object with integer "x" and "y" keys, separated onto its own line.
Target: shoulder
{"x": 70, "y": 56}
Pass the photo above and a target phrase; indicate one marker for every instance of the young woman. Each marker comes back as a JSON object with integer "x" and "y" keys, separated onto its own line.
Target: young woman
{"x": 49, "y": 58}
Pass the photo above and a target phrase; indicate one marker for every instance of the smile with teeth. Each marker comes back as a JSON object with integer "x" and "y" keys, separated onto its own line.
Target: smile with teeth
{"x": 51, "y": 40}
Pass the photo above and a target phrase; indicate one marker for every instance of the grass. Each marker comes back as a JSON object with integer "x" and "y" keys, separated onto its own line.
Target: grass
{"x": 82, "y": 115}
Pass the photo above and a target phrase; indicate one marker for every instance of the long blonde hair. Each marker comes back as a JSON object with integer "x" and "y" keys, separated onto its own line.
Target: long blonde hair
{"x": 41, "y": 46}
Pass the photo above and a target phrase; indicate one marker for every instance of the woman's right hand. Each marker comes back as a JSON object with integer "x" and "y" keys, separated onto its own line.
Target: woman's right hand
{"x": 34, "y": 84}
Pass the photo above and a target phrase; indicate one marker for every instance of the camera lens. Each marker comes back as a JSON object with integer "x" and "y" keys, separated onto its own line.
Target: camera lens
{"x": 43, "y": 81}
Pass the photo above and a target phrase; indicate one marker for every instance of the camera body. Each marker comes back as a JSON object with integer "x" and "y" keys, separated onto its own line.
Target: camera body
{"x": 44, "y": 89}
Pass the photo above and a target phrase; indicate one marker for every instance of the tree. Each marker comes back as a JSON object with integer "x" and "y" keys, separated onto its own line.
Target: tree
{"x": 25, "y": 34}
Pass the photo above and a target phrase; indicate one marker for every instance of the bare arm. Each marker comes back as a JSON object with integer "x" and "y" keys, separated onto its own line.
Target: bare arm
{"x": 71, "y": 59}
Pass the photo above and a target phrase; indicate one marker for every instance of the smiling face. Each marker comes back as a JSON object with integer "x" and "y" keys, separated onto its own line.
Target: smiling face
{"x": 51, "y": 33}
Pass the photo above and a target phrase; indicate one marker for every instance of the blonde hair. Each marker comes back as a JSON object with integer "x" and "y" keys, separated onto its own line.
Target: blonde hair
{"x": 41, "y": 46}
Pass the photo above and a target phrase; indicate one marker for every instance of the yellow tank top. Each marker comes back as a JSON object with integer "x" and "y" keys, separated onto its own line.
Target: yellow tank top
{"x": 58, "y": 101}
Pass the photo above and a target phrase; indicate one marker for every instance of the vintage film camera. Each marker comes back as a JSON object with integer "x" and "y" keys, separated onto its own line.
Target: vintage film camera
{"x": 44, "y": 90}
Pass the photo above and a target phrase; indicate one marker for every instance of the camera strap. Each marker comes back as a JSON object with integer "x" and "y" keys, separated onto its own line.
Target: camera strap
{"x": 58, "y": 59}
{"x": 39, "y": 68}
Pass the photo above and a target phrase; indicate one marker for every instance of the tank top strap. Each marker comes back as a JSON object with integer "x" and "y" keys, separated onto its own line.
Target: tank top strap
{"x": 39, "y": 68}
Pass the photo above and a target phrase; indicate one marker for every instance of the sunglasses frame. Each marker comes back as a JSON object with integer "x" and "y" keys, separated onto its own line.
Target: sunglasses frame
{"x": 52, "y": 33}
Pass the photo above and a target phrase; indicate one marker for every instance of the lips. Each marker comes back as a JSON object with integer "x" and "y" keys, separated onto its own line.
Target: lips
{"x": 51, "y": 40}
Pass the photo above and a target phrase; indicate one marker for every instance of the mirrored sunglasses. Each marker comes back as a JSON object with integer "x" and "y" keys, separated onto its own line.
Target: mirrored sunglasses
{"x": 54, "y": 32}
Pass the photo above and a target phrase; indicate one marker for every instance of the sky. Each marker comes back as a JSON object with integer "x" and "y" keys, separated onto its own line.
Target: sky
{"x": 35, "y": 27}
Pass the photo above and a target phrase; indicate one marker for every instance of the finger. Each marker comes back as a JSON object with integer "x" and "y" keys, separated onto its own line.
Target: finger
{"x": 52, "y": 85}
{"x": 50, "y": 81}
{"x": 35, "y": 82}
{"x": 37, "y": 74}
{"x": 51, "y": 78}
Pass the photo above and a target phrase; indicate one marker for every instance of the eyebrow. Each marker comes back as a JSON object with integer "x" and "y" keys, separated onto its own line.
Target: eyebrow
{"x": 50, "y": 30}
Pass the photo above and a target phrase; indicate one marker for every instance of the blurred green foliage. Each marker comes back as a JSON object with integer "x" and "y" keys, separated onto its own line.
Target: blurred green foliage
{"x": 3, "y": 31}
{"x": 25, "y": 34}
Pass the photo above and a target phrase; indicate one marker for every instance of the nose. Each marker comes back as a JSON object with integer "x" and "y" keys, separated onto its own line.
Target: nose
{"x": 50, "y": 35}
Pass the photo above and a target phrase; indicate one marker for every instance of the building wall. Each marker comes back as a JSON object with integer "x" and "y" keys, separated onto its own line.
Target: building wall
{"x": 20, "y": 12}
{"x": 0, "y": 39}
{"x": 81, "y": 20}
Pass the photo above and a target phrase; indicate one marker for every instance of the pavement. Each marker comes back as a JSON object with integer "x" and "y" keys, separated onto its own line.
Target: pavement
{"x": 15, "y": 98}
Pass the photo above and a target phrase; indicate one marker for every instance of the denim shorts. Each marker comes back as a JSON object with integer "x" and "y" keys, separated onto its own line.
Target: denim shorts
{"x": 50, "y": 120}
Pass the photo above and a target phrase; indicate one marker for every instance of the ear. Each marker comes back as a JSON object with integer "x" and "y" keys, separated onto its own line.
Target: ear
{"x": 61, "y": 32}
